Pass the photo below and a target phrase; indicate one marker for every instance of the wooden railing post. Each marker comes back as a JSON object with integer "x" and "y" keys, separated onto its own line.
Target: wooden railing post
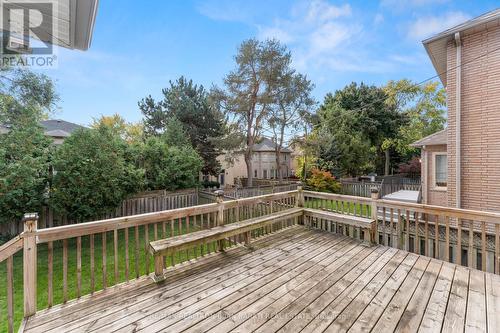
{"x": 374, "y": 215}
{"x": 29, "y": 263}
{"x": 299, "y": 202}
{"x": 220, "y": 215}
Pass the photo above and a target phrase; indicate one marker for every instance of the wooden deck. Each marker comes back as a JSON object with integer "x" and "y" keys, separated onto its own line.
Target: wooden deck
{"x": 294, "y": 280}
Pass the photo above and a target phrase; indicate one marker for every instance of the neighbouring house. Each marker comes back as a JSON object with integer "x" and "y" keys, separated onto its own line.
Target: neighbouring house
{"x": 461, "y": 164}
{"x": 264, "y": 164}
{"x": 57, "y": 129}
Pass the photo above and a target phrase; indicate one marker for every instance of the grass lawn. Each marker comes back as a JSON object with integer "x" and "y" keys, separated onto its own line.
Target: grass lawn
{"x": 72, "y": 274}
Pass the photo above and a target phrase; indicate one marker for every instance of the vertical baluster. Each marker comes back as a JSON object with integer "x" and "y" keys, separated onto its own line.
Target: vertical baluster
{"x": 92, "y": 264}
{"x": 407, "y": 234}
{"x": 391, "y": 226}
{"x": 427, "y": 252}
{"x": 384, "y": 234}
{"x": 78, "y": 266}
{"x": 436, "y": 236}
{"x": 50, "y": 271}
{"x": 146, "y": 245}
{"x": 65, "y": 270}
{"x": 458, "y": 251}
{"x": 127, "y": 261}
{"x": 483, "y": 246}
{"x": 10, "y": 293}
{"x": 470, "y": 256}
{"x": 497, "y": 249}
{"x": 164, "y": 230}
{"x": 155, "y": 231}
{"x": 104, "y": 268}
{"x": 136, "y": 232}
{"x": 400, "y": 231}
{"x": 447, "y": 239}
{"x": 417, "y": 233}
{"x": 115, "y": 244}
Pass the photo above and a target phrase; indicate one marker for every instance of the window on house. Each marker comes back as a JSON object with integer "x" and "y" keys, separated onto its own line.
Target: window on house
{"x": 441, "y": 170}
{"x": 264, "y": 174}
{"x": 255, "y": 173}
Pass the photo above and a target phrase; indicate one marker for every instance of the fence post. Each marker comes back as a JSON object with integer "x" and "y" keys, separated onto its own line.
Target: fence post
{"x": 29, "y": 263}
{"x": 220, "y": 215}
{"x": 374, "y": 215}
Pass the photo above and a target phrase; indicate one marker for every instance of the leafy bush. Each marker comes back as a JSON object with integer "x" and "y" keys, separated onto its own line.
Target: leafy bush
{"x": 170, "y": 167}
{"x": 412, "y": 168}
{"x": 91, "y": 174}
{"x": 323, "y": 181}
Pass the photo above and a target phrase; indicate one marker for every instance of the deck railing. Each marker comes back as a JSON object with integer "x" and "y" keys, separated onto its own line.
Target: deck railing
{"x": 67, "y": 262}
{"x": 465, "y": 237}
{"x": 73, "y": 260}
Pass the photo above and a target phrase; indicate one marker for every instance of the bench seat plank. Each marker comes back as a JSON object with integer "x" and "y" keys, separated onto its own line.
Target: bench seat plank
{"x": 165, "y": 247}
{"x": 355, "y": 221}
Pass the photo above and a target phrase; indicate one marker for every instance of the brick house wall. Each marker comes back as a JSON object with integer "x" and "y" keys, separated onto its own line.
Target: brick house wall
{"x": 480, "y": 123}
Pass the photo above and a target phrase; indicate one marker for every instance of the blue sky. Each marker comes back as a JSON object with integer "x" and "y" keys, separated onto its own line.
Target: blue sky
{"x": 137, "y": 49}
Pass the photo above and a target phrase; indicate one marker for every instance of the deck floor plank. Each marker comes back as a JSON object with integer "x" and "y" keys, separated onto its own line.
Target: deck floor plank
{"x": 436, "y": 307}
{"x": 294, "y": 280}
{"x": 322, "y": 316}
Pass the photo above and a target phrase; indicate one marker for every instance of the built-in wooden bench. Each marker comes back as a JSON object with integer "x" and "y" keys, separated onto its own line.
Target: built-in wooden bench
{"x": 169, "y": 246}
{"x": 365, "y": 224}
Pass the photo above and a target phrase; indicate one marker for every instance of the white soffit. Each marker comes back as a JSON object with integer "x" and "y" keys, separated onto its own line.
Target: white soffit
{"x": 73, "y": 20}
{"x": 436, "y": 46}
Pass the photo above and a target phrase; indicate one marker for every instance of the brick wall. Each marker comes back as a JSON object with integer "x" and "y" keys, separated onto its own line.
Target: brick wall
{"x": 480, "y": 125}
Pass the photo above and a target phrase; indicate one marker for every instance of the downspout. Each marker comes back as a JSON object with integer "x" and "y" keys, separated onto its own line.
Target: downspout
{"x": 458, "y": 99}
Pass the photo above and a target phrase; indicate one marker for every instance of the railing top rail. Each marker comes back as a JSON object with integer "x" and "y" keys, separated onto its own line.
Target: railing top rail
{"x": 88, "y": 228}
{"x": 10, "y": 248}
{"x": 334, "y": 196}
{"x": 461, "y": 213}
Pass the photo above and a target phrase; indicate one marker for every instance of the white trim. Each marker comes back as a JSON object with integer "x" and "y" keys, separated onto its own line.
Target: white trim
{"x": 433, "y": 185}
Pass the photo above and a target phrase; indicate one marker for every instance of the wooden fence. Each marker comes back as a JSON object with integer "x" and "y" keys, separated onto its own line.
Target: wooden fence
{"x": 386, "y": 186}
{"x": 145, "y": 202}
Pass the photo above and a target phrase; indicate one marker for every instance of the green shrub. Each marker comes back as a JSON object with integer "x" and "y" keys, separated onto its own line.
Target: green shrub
{"x": 323, "y": 181}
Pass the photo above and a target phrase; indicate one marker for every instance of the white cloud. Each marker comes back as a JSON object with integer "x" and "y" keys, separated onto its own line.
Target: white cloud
{"x": 425, "y": 27}
{"x": 398, "y": 4}
{"x": 378, "y": 19}
{"x": 323, "y": 36}
{"x": 321, "y": 11}
{"x": 227, "y": 10}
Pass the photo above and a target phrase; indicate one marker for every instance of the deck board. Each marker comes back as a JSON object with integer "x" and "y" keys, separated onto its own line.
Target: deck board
{"x": 294, "y": 280}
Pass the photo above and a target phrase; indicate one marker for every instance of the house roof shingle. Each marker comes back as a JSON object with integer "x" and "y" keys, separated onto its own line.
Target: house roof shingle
{"x": 59, "y": 128}
{"x": 438, "y": 138}
{"x": 267, "y": 145}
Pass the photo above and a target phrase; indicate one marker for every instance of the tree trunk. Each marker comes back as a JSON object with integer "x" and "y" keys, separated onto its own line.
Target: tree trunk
{"x": 248, "y": 162}
{"x": 278, "y": 165}
{"x": 387, "y": 162}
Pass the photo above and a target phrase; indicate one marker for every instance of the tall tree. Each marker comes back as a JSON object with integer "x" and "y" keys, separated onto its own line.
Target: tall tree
{"x": 293, "y": 102}
{"x": 251, "y": 88}
{"x": 372, "y": 121}
{"x": 25, "y": 151}
{"x": 189, "y": 103}
{"x": 130, "y": 132}
{"x": 424, "y": 107}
